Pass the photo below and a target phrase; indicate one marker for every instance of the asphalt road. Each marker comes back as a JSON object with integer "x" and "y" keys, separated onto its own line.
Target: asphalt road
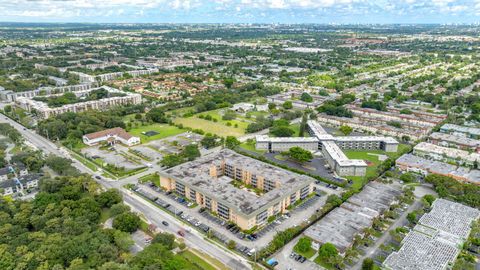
{"x": 154, "y": 215}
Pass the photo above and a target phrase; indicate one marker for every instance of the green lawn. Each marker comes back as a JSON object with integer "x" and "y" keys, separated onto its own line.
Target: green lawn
{"x": 359, "y": 181}
{"x": 251, "y": 147}
{"x": 210, "y": 127}
{"x": 164, "y": 130}
{"x": 307, "y": 254}
{"x": 154, "y": 178}
{"x": 241, "y": 121}
{"x": 196, "y": 261}
{"x": 180, "y": 112}
{"x": 325, "y": 265}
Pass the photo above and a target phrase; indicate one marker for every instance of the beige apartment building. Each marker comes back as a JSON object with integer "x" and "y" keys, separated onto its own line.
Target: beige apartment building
{"x": 214, "y": 181}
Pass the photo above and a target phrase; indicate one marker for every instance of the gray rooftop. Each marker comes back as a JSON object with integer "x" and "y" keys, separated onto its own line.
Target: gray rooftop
{"x": 341, "y": 225}
{"x": 195, "y": 174}
{"x": 435, "y": 241}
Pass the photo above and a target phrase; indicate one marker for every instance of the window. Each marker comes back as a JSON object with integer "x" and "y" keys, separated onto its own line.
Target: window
{"x": 180, "y": 188}
{"x": 223, "y": 211}
{"x": 262, "y": 217}
{"x": 193, "y": 195}
{"x": 208, "y": 202}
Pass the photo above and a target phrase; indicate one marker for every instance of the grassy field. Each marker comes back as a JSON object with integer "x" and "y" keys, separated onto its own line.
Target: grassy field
{"x": 251, "y": 147}
{"x": 181, "y": 111}
{"x": 210, "y": 127}
{"x": 240, "y": 120}
{"x": 164, "y": 130}
{"x": 201, "y": 263}
{"x": 154, "y": 178}
{"x": 371, "y": 156}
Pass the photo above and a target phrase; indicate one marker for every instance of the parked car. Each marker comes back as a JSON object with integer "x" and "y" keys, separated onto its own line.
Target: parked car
{"x": 181, "y": 233}
{"x": 165, "y": 223}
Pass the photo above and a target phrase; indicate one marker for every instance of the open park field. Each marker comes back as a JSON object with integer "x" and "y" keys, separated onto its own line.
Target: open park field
{"x": 161, "y": 130}
{"x": 210, "y": 127}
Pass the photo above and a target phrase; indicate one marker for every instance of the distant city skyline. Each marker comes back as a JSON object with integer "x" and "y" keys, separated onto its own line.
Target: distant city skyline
{"x": 241, "y": 11}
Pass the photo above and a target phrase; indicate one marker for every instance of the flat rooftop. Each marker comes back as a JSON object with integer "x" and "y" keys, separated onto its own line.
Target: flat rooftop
{"x": 340, "y": 226}
{"x": 445, "y": 151}
{"x": 462, "y": 129}
{"x": 434, "y": 242}
{"x": 455, "y": 139}
{"x": 196, "y": 174}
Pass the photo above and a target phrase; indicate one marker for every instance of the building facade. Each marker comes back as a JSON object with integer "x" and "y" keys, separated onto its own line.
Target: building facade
{"x": 112, "y": 135}
{"x": 44, "y": 111}
{"x": 330, "y": 147}
{"x": 238, "y": 189}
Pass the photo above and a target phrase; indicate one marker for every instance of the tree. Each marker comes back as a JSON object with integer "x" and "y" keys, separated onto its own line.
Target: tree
{"x": 166, "y": 239}
{"x": 209, "y": 141}
{"x": 429, "y": 199}
{"x": 109, "y": 198}
{"x": 303, "y": 125}
{"x": 407, "y": 177}
{"x": 119, "y": 208}
{"x": 368, "y": 264}
{"x": 282, "y": 131}
{"x": 228, "y": 82}
{"x": 412, "y": 217}
{"x": 304, "y": 245}
{"x": 231, "y": 142}
{"x": 122, "y": 240}
{"x": 157, "y": 115}
{"x": 306, "y": 97}
{"x": 272, "y": 106}
{"x": 172, "y": 160}
{"x": 327, "y": 252}
{"x": 191, "y": 152}
{"x": 231, "y": 244}
{"x": 346, "y": 130}
{"x": 126, "y": 222}
{"x": 287, "y": 105}
{"x": 299, "y": 154}
{"x": 334, "y": 200}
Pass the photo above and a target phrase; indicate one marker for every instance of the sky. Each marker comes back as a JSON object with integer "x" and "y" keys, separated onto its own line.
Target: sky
{"x": 241, "y": 11}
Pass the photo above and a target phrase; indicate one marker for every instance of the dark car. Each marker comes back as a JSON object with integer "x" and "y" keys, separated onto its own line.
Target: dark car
{"x": 165, "y": 223}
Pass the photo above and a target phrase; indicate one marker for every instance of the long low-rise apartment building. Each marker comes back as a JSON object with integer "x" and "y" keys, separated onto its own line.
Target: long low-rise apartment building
{"x": 237, "y": 188}
{"x": 11, "y": 96}
{"x": 417, "y": 120}
{"x": 340, "y": 226}
{"x": 470, "y": 132}
{"x": 456, "y": 141}
{"x": 446, "y": 154}
{"x": 44, "y": 111}
{"x": 374, "y": 126}
{"x": 412, "y": 163}
{"x": 331, "y": 147}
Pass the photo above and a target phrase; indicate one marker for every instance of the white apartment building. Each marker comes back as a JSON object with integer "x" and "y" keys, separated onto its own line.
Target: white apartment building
{"x": 331, "y": 147}
{"x": 441, "y": 153}
{"x": 44, "y": 111}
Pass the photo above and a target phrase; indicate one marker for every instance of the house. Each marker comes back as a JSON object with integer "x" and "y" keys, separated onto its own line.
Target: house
{"x": 16, "y": 185}
{"x": 111, "y": 136}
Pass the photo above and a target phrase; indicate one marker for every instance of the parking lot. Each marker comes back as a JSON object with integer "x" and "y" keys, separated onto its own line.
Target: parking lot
{"x": 174, "y": 144}
{"x": 205, "y": 222}
{"x": 116, "y": 155}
